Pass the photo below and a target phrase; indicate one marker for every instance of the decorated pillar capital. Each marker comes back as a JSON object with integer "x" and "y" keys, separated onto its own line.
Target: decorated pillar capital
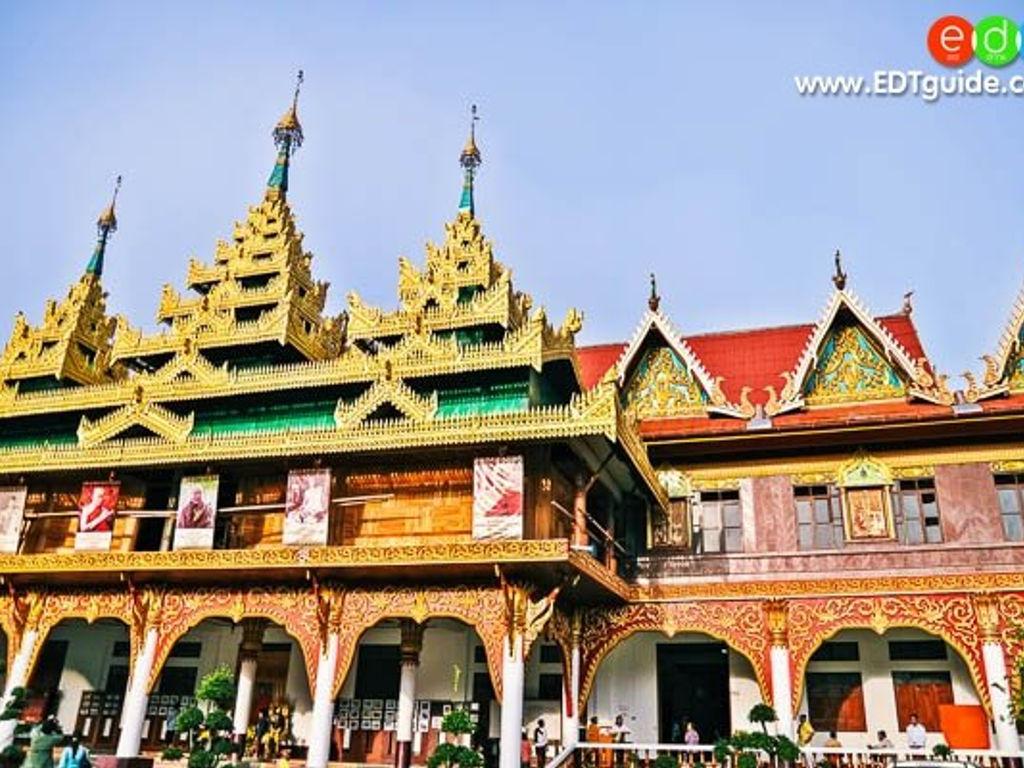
{"x": 525, "y": 618}
{"x": 252, "y": 638}
{"x": 412, "y": 640}
{"x": 330, "y": 601}
{"x": 986, "y": 610}
{"x": 776, "y": 614}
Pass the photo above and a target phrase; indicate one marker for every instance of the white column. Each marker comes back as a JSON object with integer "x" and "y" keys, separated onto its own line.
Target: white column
{"x": 570, "y": 707}
{"x": 133, "y": 714}
{"x": 512, "y": 674}
{"x": 243, "y": 694}
{"x": 410, "y": 647}
{"x": 999, "y": 694}
{"x": 248, "y": 652}
{"x": 782, "y": 690}
{"x": 322, "y": 719}
{"x": 17, "y": 678}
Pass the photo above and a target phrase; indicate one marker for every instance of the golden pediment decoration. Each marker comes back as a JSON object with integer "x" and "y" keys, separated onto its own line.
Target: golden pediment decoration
{"x": 140, "y": 412}
{"x": 413, "y": 406}
{"x": 851, "y": 369}
{"x": 662, "y": 387}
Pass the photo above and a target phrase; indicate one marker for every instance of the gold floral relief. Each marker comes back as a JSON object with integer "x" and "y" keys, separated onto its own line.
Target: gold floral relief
{"x": 662, "y": 387}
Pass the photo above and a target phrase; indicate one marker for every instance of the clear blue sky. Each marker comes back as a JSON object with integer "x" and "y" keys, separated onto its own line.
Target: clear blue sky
{"x": 617, "y": 139}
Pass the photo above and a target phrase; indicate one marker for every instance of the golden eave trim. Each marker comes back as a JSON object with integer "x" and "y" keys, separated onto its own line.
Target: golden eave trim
{"x": 587, "y": 415}
{"x": 455, "y": 554}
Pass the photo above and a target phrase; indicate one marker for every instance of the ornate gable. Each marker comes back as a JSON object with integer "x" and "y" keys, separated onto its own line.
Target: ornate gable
{"x": 662, "y": 377}
{"x": 1004, "y": 370}
{"x": 851, "y": 368}
{"x": 852, "y": 358}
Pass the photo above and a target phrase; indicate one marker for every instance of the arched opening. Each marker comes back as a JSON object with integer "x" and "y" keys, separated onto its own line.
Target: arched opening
{"x": 270, "y": 676}
{"x": 658, "y": 684}
{"x": 80, "y": 674}
{"x": 859, "y": 683}
{"x": 452, "y": 672}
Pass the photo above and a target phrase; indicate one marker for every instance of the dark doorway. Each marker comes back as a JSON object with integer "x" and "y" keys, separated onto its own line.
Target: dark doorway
{"x": 378, "y": 671}
{"x": 693, "y": 685}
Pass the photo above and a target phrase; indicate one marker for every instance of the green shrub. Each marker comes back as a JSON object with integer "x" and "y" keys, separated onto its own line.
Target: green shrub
{"x": 217, "y": 687}
{"x": 762, "y": 714}
{"x": 666, "y": 761}
{"x": 218, "y": 720}
{"x": 202, "y": 758}
{"x": 12, "y": 756}
{"x": 458, "y": 722}
{"x": 787, "y": 749}
{"x": 942, "y": 751}
{"x": 172, "y": 753}
{"x": 189, "y": 719}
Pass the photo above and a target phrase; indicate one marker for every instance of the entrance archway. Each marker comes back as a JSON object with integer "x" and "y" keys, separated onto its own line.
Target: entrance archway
{"x": 80, "y": 674}
{"x": 860, "y": 682}
{"x": 270, "y": 675}
{"x": 452, "y": 671}
{"x": 658, "y": 683}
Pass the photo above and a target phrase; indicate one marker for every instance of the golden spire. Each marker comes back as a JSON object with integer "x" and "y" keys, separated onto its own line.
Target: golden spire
{"x": 287, "y": 137}
{"x": 105, "y": 225}
{"x": 470, "y": 160}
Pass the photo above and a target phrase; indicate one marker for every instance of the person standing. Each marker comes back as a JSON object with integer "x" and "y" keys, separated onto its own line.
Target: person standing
{"x": 804, "y": 735}
{"x": 917, "y": 734}
{"x": 620, "y": 735}
{"x": 540, "y": 743}
{"x": 42, "y": 739}
{"x": 691, "y": 737}
{"x": 525, "y": 750}
{"x": 75, "y": 755}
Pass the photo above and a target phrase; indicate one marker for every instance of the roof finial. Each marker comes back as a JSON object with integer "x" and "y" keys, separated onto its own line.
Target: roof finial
{"x": 839, "y": 278}
{"x": 287, "y": 138}
{"x": 908, "y": 305}
{"x": 654, "y": 300}
{"x": 470, "y": 160}
{"x": 106, "y": 224}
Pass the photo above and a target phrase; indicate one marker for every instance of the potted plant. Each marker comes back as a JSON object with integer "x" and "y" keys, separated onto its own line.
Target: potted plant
{"x": 457, "y": 724}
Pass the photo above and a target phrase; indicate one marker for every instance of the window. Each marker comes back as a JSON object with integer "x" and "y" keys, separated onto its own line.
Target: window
{"x": 721, "y": 522}
{"x": 921, "y": 694}
{"x": 1011, "y": 503}
{"x": 917, "y": 650}
{"x": 479, "y": 655}
{"x": 819, "y": 517}
{"x": 549, "y": 687}
{"x": 916, "y": 512}
{"x": 835, "y": 701}
{"x": 837, "y": 651}
{"x": 550, "y": 654}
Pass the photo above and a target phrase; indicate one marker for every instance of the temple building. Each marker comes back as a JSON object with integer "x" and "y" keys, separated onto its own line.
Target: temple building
{"x": 374, "y": 517}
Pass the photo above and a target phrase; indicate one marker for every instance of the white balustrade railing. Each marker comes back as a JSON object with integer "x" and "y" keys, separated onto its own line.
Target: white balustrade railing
{"x": 616, "y": 755}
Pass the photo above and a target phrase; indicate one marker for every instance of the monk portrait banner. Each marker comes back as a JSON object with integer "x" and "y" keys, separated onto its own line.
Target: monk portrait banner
{"x": 197, "y": 512}
{"x": 12, "y": 512}
{"x": 307, "y": 506}
{"x": 498, "y": 498}
{"x": 97, "y": 506}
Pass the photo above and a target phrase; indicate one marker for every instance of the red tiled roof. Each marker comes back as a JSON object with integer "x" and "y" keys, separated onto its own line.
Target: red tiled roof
{"x": 596, "y": 360}
{"x": 756, "y": 358}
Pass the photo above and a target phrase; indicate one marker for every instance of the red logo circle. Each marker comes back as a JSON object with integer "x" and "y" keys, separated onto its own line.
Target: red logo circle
{"x": 950, "y": 40}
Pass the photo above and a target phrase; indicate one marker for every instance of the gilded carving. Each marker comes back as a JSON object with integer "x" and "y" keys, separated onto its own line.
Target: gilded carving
{"x": 662, "y": 387}
{"x": 850, "y": 370}
{"x": 949, "y": 616}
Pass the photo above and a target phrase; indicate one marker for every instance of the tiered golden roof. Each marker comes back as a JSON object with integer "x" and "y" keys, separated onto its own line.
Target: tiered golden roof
{"x": 73, "y": 342}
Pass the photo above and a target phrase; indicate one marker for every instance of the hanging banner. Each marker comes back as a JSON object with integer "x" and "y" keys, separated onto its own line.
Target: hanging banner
{"x": 12, "y": 512}
{"x": 307, "y": 503}
{"x": 197, "y": 512}
{"x": 498, "y": 498}
{"x": 97, "y": 506}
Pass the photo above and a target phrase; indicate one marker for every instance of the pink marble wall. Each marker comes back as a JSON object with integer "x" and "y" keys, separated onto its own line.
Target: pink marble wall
{"x": 968, "y": 505}
{"x": 774, "y": 513}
